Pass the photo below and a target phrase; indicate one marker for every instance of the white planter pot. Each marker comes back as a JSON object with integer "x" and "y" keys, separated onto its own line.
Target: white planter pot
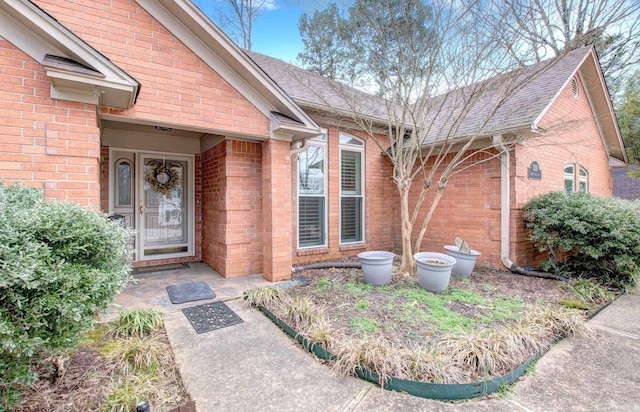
{"x": 465, "y": 262}
{"x": 434, "y": 278}
{"x": 377, "y": 267}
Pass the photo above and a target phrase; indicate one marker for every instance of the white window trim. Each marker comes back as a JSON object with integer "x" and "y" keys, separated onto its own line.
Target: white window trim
{"x": 352, "y": 148}
{"x": 321, "y": 143}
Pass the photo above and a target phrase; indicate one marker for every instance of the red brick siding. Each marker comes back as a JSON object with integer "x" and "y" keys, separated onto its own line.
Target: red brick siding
{"x": 572, "y": 138}
{"x": 177, "y": 86}
{"x": 276, "y": 210}
{"x": 232, "y": 208}
{"x": 46, "y": 143}
{"x": 469, "y": 209}
{"x": 380, "y": 204}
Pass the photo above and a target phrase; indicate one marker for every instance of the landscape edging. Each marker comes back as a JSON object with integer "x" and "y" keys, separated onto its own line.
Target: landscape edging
{"x": 440, "y": 391}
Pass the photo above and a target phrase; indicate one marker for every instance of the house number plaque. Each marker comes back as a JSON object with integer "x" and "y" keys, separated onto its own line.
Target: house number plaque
{"x": 534, "y": 171}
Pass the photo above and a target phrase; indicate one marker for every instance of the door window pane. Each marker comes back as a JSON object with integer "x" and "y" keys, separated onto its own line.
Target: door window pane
{"x": 124, "y": 186}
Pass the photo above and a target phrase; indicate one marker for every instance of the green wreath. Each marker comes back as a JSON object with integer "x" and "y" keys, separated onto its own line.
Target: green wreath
{"x": 162, "y": 176}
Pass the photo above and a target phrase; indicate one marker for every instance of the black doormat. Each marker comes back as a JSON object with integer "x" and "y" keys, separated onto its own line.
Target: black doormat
{"x": 160, "y": 268}
{"x": 188, "y": 292}
{"x": 211, "y": 316}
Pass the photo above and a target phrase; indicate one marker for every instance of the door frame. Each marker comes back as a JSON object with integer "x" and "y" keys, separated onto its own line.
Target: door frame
{"x": 138, "y": 182}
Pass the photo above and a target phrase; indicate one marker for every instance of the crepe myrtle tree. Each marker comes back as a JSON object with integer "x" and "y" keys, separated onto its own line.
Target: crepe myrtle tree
{"x": 441, "y": 92}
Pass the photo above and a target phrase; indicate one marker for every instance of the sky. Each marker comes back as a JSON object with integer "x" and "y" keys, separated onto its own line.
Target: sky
{"x": 275, "y": 32}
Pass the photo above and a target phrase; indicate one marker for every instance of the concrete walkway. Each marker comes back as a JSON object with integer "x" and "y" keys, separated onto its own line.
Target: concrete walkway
{"x": 254, "y": 366}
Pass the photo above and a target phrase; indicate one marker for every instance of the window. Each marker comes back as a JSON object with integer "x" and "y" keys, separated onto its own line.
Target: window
{"x": 570, "y": 179}
{"x": 312, "y": 195}
{"x": 351, "y": 189}
{"x": 583, "y": 181}
{"x": 124, "y": 186}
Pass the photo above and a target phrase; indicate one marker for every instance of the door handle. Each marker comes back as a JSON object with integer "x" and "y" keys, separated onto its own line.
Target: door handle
{"x": 141, "y": 209}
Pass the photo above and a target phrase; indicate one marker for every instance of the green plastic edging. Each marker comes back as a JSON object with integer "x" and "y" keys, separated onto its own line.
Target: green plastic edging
{"x": 441, "y": 391}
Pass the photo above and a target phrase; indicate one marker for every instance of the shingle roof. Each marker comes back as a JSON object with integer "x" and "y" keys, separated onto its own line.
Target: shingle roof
{"x": 508, "y": 102}
{"x": 532, "y": 89}
{"x": 311, "y": 90}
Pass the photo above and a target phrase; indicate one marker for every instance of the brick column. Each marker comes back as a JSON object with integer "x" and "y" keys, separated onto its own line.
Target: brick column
{"x": 276, "y": 210}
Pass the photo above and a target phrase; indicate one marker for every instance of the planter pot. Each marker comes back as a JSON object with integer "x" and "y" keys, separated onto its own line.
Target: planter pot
{"x": 465, "y": 262}
{"x": 434, "y": 277}
{"x": 377, "y": 267}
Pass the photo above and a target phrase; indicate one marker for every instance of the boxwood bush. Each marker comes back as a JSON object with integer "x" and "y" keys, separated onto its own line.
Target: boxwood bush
{"x": 60, "y": 264}
{"x": 587, "y": 236}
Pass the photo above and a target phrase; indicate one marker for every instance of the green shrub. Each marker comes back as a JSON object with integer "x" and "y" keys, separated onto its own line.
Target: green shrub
{"x": 587, "y": 236}
{"x": 60, "y": 264}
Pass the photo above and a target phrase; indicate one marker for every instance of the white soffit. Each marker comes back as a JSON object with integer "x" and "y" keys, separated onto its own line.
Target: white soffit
{"x": 39, "y": 35}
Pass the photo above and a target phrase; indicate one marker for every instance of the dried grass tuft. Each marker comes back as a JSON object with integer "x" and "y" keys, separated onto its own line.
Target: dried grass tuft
{"x": 267, "y": 297}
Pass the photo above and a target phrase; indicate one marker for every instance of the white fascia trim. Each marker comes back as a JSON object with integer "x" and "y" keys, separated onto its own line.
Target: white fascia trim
{"x": 555, "y": 97}
{"x": 182, "y": 18}
{"x": 36, "y": 33}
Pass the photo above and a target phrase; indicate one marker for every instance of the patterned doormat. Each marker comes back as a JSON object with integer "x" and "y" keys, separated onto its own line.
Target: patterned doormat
{"x": 211, "y": 316}
{"x": 190, "y": 291}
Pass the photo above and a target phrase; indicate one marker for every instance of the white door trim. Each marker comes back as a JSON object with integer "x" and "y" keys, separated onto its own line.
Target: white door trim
{"x": 139, "y": 193}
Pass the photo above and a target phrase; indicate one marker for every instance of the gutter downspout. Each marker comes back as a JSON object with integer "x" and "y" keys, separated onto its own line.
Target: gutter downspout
{"x": 505, "y": 216}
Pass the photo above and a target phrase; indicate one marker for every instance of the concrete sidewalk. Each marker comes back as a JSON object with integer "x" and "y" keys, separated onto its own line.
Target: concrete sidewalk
{"x": 255, "y": 366}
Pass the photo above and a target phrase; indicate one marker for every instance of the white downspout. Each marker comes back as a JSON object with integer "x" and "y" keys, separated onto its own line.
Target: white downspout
{"x": 505, "y": 203}
{"x": 505, "y": 217}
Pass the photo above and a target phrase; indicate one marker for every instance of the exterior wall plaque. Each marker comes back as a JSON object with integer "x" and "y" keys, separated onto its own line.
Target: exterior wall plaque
{"x": 534, "y": 171}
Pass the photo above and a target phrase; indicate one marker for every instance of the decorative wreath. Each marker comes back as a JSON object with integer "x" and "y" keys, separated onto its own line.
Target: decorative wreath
{"x": 162, "y": 177}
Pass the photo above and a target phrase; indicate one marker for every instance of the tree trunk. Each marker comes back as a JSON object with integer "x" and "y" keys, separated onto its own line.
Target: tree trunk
{"x": 406, "y": 268}
{"x": 427, "y": 219}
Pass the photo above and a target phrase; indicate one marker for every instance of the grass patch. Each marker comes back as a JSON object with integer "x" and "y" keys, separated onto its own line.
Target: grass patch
{"x": 364, "y": 325}
{"x": 116, "y": 366}
{"x": 136, "y": 322}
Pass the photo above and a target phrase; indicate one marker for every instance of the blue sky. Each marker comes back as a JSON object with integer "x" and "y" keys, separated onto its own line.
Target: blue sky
{"x": 275, "y": 32}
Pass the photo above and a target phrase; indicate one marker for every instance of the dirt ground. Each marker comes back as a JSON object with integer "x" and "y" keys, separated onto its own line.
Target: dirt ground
{"x": 491, "y": 284}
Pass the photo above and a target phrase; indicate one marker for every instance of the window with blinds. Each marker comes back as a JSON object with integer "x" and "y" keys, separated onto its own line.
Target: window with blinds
{"x": 311, "y": 197}
{"x": 351, "y": 189}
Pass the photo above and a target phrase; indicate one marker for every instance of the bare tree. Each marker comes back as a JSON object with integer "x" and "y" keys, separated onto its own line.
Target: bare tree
{"x": 446, "y": 98}
{"x": 540, "y": 29}
{"x": 238, "y": 16}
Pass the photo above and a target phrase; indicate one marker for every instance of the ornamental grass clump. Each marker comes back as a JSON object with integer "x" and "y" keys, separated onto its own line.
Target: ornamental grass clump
{"x": 60, "y": 264}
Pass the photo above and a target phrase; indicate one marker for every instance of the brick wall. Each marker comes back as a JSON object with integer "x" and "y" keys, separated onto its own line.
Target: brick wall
{"x": 276, "y": 210}
{"x": 177, "y": 86}
{"x": 232, "y": 208}
{"x": 46, "y": 143}
{"x": 380, "y": 204}
{"x": 572, "y": 137}
{"x": 469, "y": 209}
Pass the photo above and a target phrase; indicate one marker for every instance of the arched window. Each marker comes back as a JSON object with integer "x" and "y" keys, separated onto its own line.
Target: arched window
{"x": 351, "y": 189}
{"x": 576, "y": 183}
{"x": 583, "y": 180}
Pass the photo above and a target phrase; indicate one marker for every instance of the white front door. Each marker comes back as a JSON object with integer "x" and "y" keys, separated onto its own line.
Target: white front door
{"x": 155, "y": 194}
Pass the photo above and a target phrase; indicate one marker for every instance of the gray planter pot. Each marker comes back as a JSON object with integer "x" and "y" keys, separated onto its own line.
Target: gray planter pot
{"x": 465, "y": 262}
{"x": 434, "y": 278}
{"x": 377, "y": 267}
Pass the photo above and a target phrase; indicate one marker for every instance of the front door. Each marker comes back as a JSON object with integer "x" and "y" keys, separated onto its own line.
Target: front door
{"x": 154, "y": 193}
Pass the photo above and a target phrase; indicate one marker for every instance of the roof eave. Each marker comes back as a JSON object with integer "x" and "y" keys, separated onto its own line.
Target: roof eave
{"x": 191, "y": 26}
{"x": 38, "y": 34}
